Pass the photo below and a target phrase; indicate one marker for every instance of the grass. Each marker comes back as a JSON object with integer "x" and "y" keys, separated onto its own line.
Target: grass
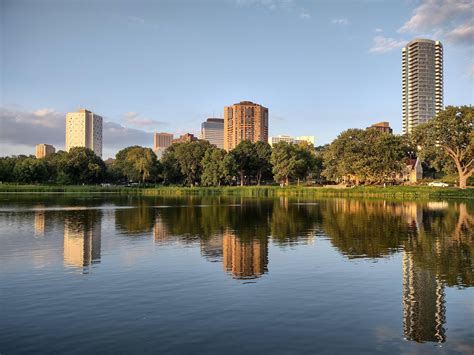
{"x": 397, "y": 192}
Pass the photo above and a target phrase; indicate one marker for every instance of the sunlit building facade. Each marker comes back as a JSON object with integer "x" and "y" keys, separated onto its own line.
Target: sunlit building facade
{"x": 161, "y": 141}
{"x": 84, "y": 129}
{"x": 422, "y": 82}
{"x": 245, "y": 121}
{"x": 43, "y": 150}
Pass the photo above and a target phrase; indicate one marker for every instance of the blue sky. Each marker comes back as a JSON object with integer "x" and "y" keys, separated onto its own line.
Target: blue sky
{"x": 319, "y": 66}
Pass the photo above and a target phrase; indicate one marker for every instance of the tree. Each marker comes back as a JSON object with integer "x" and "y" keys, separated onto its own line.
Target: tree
{"x": 285, "y": 161}
{"x": 451, "y": 134}
{"x": 136, "y": 164}
{"x": 243, "y": 155}
{"x": 261, "y": 160}
{"x": 7, "y": 164}
{"x": 81, "y": 166}
{"x": 30, "y": 170}
{"x": 171, "y": 169}
{"x": 189, "y": 156}
{"x": 367, "y": 156}
{"x": 218, "y": 167}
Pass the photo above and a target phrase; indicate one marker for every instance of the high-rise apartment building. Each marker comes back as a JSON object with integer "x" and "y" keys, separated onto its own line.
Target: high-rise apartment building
{"x": 245, "y": 121}
{"x": 213, "y": 131}
{"x": 161, "y": 141}
{"x": 422, "y": 82}
{"x": 84, "y": 129}
{"x": 43, "y": 150}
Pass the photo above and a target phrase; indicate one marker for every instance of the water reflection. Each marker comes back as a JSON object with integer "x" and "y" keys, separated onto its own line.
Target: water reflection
{"x": 244, "y": 259}
{"x": 436, "y": 239}
{"x": 82, "y": 238}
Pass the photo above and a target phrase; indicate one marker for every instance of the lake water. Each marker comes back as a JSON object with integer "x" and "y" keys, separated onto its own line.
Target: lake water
{"x": 217, "y": 275}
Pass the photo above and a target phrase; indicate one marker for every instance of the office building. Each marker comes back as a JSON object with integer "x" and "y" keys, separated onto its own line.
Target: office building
{"x": 245, "y": 121}
{"x": 289, "y": 139}
{"x": 43, "y": 150}
{"x": 280, "y": 138}
{"x": 309, "y": 139}
{"x": 84, "y": 129}
{"x": 422, "y": 82}
{"x": 161, "y": 141}
{"x": 185, "y": 138}
{"x": 213, "y": 131}
{"x": 382, "y": 127}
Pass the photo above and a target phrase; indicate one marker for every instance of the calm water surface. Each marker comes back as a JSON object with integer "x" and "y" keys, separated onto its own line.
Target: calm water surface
{"x": 235, "y": 275}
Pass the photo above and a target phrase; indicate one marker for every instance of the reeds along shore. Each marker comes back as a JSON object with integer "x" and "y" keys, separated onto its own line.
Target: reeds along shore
{"x": 402, "y": 192}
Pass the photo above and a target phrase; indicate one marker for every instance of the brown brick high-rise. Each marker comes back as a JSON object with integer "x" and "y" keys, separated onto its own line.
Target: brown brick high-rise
{"x": 245, "y": 121}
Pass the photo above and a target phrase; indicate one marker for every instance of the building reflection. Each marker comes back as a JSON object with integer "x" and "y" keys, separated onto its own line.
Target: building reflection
{"x": 424, "y": 311}
{"x": 39, "y": 223}
{"x": 212, "y": 248}
{"x": 82, "y": 239}
{"x": 244, "y": 259}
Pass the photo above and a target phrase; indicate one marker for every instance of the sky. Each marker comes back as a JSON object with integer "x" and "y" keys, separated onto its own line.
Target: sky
{"x": 320, "y": 67}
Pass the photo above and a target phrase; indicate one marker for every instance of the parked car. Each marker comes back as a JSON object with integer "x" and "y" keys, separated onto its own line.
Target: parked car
{"x": 438, "y": 184}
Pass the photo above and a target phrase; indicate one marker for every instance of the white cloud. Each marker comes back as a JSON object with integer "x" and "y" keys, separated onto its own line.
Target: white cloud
{"x": 342, "y": 21}
{"x": 305, "y": 14}
{"x": 383, "y": 44}
{"x": 133, "y": 119}
{"x": 462, "y": 34}
{"x": 378, "y": 30}
{"x": 269, "y": 4}
{"x": 20, "y": 131}
{"x": 444, "y": 19}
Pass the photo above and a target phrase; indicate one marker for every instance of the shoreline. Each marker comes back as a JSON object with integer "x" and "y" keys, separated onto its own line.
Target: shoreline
{"x": 397, "y": 192}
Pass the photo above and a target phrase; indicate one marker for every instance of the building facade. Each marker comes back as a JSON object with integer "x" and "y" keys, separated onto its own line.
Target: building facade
{"x": 213, "y": 131}
{"x": 84, "y": 129}
{"x": 161, "y": 141}
{"x": 245, "y": 121}
{"x": 185, "y": 138}
{"x": 292, "y": 140}
{"x": 43, "y": 150}
{"x": 382, "y": 127}
{"x": 422, "y": 82}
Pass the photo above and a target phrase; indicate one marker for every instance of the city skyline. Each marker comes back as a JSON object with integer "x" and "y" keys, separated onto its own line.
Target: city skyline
{"x": 293, "y": 72}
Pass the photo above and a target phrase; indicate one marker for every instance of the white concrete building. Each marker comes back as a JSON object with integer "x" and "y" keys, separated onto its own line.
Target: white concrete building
{"x": 84, "y": 129}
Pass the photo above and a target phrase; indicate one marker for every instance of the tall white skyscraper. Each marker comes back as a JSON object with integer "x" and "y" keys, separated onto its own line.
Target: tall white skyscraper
{"x": 84, "y": 129}
{"x": 422, "y": 82}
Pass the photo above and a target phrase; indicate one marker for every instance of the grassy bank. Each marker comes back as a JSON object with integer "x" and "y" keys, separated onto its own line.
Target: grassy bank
{"x": 398, "y": 192}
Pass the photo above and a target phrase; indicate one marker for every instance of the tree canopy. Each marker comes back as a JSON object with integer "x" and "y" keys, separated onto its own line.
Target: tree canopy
{"x": 449, "y": 135}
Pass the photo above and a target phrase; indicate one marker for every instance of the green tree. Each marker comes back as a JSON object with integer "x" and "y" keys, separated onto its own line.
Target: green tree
{"x": 30, "y": 170}
{"x": 189, "y": 157}
{"x": 7, "y": 164}
{"x": 261, "y": 160}
{"x": 136, "y": 164}
{"x": 243, "y": 155}
{"x": 218, "y": 167}
{"x": 170, "y": 165}
{"x": 450, "y": 134}
{"x": 81, "y": 166}
{"x": 367, "y": 156}
{"x": 286, "y": 162}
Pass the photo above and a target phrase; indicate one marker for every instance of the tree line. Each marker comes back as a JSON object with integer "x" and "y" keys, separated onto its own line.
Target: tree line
{"x": 362, "y": 156}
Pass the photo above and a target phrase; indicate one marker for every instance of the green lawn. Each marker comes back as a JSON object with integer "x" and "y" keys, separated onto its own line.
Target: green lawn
{"x": 401, "y": 192}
